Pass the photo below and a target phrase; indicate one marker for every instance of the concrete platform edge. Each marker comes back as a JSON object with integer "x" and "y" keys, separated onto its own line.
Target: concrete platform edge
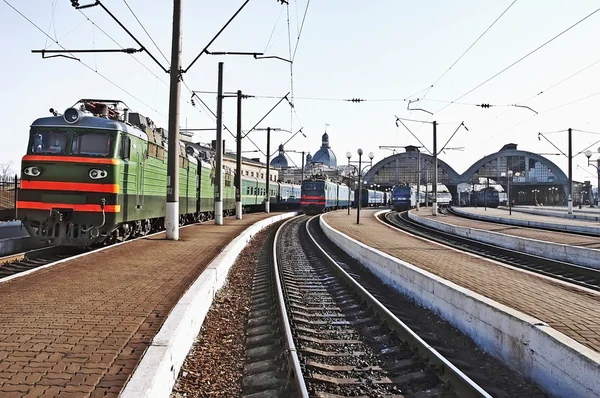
{"x": 549, "y": 213}
{"x": 555, "y": 251}
{"x": 560, "y": 365}
{"x": 9, "y": 246}
{"x": 159, "y": 367}
{"x": 526, "y": 223}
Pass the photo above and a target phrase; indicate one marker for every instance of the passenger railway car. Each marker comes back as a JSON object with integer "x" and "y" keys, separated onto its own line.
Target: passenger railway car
{"x": 370, "y": 198}
{"x": 98, "y": 174}
{"x": 444, "y": 197}
{"x": 486, "y": 197}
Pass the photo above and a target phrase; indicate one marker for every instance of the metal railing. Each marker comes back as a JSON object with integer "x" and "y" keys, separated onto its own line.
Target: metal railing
{"x": 9, "y": 194}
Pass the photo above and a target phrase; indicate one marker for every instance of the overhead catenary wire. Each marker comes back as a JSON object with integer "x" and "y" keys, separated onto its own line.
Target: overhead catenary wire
{"x": 300, "y": 31}
{"x": 83, "y": 63}
{"x": 470, "y": 47}
{"x": 522, "y": 58}
{"x": 148, "y": 34}
{"x": 273, "y": 31}
{"x": 143, "y": 65}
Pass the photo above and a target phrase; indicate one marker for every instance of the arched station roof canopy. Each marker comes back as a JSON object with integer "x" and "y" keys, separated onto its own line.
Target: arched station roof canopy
{"x": 527, "y": 167}
{"x": 403, "y": 168}
{"x": 531, "y": 167}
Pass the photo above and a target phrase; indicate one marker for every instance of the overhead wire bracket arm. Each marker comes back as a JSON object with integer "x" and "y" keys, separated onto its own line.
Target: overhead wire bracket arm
{"x": 267, "y": 114}
{"x": 551, "y": 143}
{"x": 416, "y": 109}
{"x": 296, "y": 133}
{"x": 116, "y": 50}
{"x": 273, "y": 57}
{"x": 462, "y": 124}
{"x": 254, "y": 54}
{"x": 76, "y": 5}
{"x": 525, "y": 106}
{"x": 204, "y": 50}
{"x": 411, "y": 133}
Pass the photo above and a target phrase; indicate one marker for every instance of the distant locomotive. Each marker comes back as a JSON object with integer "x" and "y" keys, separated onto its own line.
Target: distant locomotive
{"x": 404, "y": 197}
{"x": 98, "y": 174}
{"x": 320, "y": 195}
{"x": 486, "y": 197}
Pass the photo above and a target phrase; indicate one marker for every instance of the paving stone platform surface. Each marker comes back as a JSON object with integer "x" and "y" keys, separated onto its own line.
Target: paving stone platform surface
{"x": 78, "y": 329}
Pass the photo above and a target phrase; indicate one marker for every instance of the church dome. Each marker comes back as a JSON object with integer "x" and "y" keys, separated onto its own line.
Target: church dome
{"x": 281, "y": 160}
{"x": 325, "y": 155}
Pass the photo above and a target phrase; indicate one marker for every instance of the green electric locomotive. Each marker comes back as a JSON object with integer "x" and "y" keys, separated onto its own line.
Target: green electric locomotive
{"x": 98, "y": 174}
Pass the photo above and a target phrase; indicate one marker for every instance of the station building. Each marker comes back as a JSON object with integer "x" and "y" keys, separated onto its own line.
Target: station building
{"x": 534, "y": 179}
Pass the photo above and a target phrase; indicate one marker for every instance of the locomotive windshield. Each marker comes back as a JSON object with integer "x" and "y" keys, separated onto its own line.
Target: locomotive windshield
{"x": 49, "y": 142}
{"x": 94, "y": 144}
{"x": 312, "y": 188}
{"x": 79, "y": 143}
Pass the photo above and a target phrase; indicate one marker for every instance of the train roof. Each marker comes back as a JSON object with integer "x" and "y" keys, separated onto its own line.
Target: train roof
{"x": 89, "y": 121}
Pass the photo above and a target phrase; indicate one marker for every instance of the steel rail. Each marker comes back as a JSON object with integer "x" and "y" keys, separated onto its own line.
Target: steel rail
{"x": 551, "y": 229}
{"x": 29, "y": 255}
{"x": 472, "y": 245}
{"x": 453, "y": 377}
{"x": 294, "y": 361}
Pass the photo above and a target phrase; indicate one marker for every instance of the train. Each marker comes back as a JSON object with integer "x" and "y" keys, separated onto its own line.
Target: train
{"x": 488, "y": 196}
{"x": 404, "y": 197}
{"x": 372, "y": 198}
{"x": 320, "y": 195}
{"x": 98, "y": 174}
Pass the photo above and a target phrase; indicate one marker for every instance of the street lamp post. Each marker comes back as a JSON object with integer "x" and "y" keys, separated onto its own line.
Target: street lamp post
{"x": 535, "y": 191}
{"x": 349, "y": 155}
{"x": 268, "y": 179}
{"x": 360, "y": 182}
{"x": 588, "y": 154}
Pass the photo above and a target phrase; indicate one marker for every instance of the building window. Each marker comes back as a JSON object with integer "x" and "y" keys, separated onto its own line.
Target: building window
{"x": 252, "y": 174}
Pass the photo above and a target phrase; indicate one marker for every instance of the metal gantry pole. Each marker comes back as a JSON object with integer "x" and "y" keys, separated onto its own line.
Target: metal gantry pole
{"x": 219, "y": 151}
{"x": 268, "y": 200}
{"x": 238, "y": 159}
{"x": 172, "y": 214}
{"x": 302, "y": 175}
{"x": 418, "y": 178}
{"x": 435, "y": 174}
{"x": 509, "y": 203}
{"x": 570, "y": 198}
{"x": 359, "y": 189}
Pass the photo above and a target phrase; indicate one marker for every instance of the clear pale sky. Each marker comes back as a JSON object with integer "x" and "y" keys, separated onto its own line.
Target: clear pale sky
{"x": 384, "y": 49}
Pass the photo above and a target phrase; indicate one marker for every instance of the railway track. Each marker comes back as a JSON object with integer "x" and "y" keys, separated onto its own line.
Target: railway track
{"x": 582, "y": 276}
{"x": 318, "y": 327}
{"x": 21, "y": 262}
{"x": 450, "y": 210}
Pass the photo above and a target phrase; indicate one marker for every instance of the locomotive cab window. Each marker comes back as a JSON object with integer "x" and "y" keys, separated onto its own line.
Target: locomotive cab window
{"x": 125, "y": 147}
{"x": 92, "y": 144}
{"x": 48, "y": 142}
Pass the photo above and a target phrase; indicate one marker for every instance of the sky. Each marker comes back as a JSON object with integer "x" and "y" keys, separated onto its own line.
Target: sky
{"x": 384, "y": 51}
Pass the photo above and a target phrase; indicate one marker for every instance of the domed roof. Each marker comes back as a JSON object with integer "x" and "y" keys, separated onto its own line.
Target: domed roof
{"x": 325, "y": 155}
{"x": 281, "y": 160}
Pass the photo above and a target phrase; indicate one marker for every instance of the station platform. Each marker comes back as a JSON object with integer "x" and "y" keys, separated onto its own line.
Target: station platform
{"x": 543, "y": 219}
{"x": 589, "y": 242}
{"x": 79, "y": 328}
{"x": 587, "y": 210}
{"x": 571, "y": 310}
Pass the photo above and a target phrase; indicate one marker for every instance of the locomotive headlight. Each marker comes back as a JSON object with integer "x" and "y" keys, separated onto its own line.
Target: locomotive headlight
{"x": 32, "y": 171}
{"x": 96, "y": 174}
